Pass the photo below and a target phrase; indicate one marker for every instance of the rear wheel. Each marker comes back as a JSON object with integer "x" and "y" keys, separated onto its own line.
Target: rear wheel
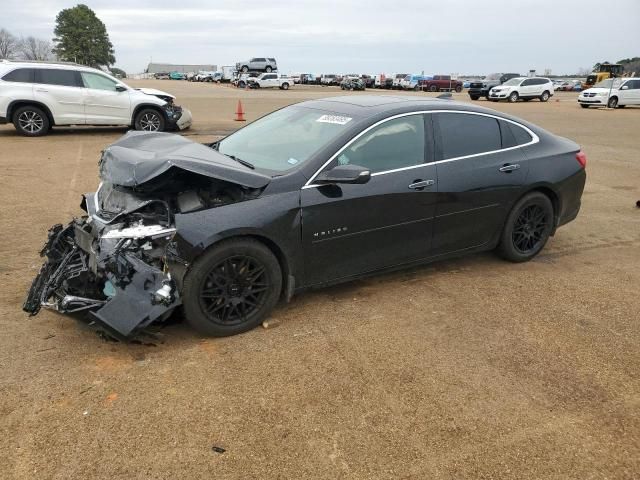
{"x": 149, "y": 120}
{"x": 31, "y": 121}
{"x": 513, "y": 97}
{"x": 458, "y": 89}
{"x": 433, "y": 88}
{"x": 613, "y": 102}
{"x": 545, "y": 96}
{"x": 232, "y": 288}
{"x": 527, "y": 228}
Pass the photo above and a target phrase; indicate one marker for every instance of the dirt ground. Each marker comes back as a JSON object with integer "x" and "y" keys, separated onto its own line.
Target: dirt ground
{"x": 470, "y": 368}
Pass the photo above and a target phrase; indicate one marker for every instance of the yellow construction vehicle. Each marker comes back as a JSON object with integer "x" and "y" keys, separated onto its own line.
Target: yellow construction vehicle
{"x": 604, "y": 71}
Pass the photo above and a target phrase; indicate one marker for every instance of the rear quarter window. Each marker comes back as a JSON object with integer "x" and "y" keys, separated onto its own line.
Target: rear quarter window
{"x": 20, "y": 75}
{"x": 513, "y": 135}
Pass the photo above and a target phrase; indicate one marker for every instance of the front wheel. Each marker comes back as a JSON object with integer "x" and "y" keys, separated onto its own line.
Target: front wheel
{"x": 527, "y": 228}
{"x": 474, "y": 97}
{"x": 31, "y": 121}
{"x": 545, "y": 96}
{"x": 149, "y": 120}
{"x": 613, "y": 102}
{"x": 244, "y": 69}
{"x": 513, "y": 98}
{"x": 285, "y": 86}
{"x": 458, "y": 89}
{"x": 232, "y": 288}
{"x": 433, "y": 88}
{"x": 584, "y": 105}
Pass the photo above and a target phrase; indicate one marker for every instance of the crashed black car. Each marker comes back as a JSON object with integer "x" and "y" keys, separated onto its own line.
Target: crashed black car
{"x": 316, "y": 193}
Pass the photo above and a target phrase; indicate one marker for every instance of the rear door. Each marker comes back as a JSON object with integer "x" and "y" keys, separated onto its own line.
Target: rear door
{"x": 480, "y": 171}
{"x": 354, "y": 229}
{"x": 104, "y": 105}
{"x": 62, "y": 91}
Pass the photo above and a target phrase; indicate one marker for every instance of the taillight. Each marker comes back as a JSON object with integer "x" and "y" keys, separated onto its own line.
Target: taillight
{"x": 582, "y": 158}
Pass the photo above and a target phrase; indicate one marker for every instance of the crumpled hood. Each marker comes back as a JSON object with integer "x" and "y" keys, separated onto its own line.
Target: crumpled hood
{"x": 155, "y": 92}
{"x": 138, "y": 157}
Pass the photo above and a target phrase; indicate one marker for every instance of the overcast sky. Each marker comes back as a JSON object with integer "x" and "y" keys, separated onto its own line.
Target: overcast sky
{"x": 370, "y": 36}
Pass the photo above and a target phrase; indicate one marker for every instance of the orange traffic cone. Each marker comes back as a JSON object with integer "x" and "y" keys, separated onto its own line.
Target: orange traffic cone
{"x": 239, "y": 113}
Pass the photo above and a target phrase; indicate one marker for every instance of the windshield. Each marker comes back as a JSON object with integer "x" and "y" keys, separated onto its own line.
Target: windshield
{"x": 609, "y": 83}
{"x": 492, "y": 76}
{"x": 513, "y": 81}
{"x": 284, "y": 139}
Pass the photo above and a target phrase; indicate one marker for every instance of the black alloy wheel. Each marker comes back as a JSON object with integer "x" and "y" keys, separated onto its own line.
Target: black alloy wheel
{"x": 527, "y": 228}
{"x": 232, "y": 288}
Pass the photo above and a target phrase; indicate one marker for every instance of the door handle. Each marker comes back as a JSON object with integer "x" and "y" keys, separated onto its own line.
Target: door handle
{"x": 41, "y": 90}
{"x": 507, "y": 168}
{"x": 420, "y": 184}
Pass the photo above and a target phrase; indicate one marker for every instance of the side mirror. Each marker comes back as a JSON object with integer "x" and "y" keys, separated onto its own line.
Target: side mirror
{"x": 353, "y": 174}
{"x": 121, "y": 88}
{"x": 625, "y": 87}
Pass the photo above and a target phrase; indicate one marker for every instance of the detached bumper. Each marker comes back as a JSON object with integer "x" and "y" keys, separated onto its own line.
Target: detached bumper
{"x": 185, "y": 120}
{"x": 102, "y": 277}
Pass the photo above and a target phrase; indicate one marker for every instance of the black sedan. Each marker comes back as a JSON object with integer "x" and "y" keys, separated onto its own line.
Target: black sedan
{"x": 320, "y": 192}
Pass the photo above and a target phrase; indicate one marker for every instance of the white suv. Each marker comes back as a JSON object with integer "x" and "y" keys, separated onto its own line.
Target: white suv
{"x": 525, "y": 88}
{"x": 37, "y": 96}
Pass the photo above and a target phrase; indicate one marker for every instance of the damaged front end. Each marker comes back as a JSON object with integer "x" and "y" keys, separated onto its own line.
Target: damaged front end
{"x": 115, "y": 264}
{"x": 118, "y": 277}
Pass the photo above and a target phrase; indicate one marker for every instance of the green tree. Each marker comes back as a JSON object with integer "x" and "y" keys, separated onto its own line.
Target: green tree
{"x": 81, "y": 37}
{"x": 118, "y": 72}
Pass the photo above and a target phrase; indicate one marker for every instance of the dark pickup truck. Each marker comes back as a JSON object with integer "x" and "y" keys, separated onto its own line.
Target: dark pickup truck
{"x": 439, "y": 83}
{"x": 481, "y": 87}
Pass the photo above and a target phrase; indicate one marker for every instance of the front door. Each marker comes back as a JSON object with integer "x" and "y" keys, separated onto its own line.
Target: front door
{"x": 353, "y": 229}
{"x": 104, "y": 105}
{"x": 630, "y": 95}
{"x": 480, "y": 170}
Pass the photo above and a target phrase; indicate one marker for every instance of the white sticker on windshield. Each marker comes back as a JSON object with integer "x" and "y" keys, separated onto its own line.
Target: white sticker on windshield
{"x": 337, "y": 119}
{"x": 292, "y": 161}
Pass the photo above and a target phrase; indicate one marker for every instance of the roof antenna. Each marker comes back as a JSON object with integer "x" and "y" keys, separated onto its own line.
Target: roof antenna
{"x": 445, "y": 96}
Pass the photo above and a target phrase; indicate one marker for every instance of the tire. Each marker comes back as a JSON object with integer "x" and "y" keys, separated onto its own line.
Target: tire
{"x": 241, "y": 84}
{"x": 513, "y": 97}
{"x": 527, "y": 229}
{"x": 458, "y": 89}
{"x": 433, "y": 88}
{"x": 285, "y": 86}
{"x": 149, "y": 120}
{"x": 31, "y": 121}
{"x": 416, "y": 88}
{"x": 584, "y": 105}
{"x": 613, "y": 102}
{"x": 232, "y": 288}
{"x": 474, "y": 97}
{"x": 244, "y": 69}
{"x": 545, "y": 96}
{"x": 268, "y": 69}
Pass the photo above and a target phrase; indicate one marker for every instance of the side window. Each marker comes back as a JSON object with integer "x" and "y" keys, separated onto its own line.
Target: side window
{"x": 20, "y": 75}
{"x": 98, "y": 82}
{"x": 513, "y": 135}
{"x": 445, "y": 77}
{"x": 463, "y": 134}
{"x": 65, "y": 78}
{"x": 633, "y": 84}
{"x": 259, "y": 59}
{"x": 527, "y": 83}
{"x": 394, "y": 144}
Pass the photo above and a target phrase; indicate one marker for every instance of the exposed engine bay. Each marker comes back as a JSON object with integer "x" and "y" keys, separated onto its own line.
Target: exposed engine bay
{"x": 113, "y": 262}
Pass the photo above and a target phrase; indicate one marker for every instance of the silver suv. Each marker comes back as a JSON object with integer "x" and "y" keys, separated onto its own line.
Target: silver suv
{"x": 260, "y": 64}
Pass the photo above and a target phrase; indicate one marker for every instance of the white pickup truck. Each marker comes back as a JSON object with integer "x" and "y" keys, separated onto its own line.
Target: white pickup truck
{"x": 271, "y": 80}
